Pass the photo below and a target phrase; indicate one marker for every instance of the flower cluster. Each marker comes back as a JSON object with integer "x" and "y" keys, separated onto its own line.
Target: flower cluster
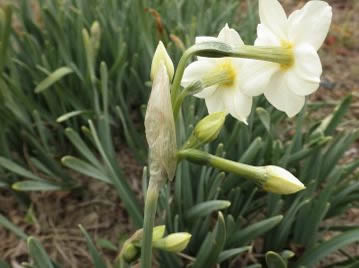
{"x": 284, "y": 85}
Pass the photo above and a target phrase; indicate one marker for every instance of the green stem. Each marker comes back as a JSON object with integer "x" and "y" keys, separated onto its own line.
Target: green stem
{"x": 199, "y": 157}
{"x": 149, "y": 219}
{"x": 123, "y": 264}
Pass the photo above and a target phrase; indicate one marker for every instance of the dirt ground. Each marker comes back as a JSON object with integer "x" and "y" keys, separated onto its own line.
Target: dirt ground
{"x": 54, "y": 217}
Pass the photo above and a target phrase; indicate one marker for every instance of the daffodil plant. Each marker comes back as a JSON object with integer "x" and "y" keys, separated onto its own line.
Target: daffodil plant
{"x": 283, "y": 65}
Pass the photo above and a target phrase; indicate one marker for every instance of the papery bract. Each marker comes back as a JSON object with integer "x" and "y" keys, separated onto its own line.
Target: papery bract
{"x": 160, "y": 127}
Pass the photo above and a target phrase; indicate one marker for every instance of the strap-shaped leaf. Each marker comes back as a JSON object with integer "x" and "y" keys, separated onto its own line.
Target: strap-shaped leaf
{"x": 243, "y": 236}
{"x": 84, "y": 168}
{"x": 53, "y": 78}
{"x": 12, "y": 227}
{"x": 17, "y": 169}
{"x": 230, "y": 253}
{"x": 38, "y": 254}
{"x": 96, "y": 257}
{"x": 212, "y": 246}
{"x": 311, "y": 257}
{"x": 205, "y": 208}
{"x": 30, "y": 185}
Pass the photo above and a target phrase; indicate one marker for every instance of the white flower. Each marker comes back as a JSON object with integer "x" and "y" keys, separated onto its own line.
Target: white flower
{"x": 304, "y": 31}
{"x": 227, "y": 95}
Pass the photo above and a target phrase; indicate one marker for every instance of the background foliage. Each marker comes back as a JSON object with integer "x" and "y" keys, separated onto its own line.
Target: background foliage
{"x": 75, "y": 80}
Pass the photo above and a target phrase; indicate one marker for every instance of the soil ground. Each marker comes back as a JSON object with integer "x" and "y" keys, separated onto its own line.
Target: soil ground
{"x": 54, "y": 217}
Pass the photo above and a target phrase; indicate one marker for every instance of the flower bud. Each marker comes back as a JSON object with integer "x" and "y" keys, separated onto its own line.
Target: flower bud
{"x": 161, "y": 55}
{"x": 130, "y": 252}
{"x": 176, "y": 242}
{"x": 158, "y": 232}
{"x": 95, "y": 35}
{"x": 280, "y": 181}
{"x": 209, "y": 127}
{"x": 160, "y": 127}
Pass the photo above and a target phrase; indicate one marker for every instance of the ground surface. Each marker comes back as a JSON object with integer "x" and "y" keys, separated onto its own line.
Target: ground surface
{"x": 56, "y": 216}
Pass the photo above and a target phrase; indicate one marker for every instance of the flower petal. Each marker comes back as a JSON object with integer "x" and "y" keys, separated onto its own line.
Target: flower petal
{"x": 201, "y": 39}
{"x": 196, "y": 70}
{"x": 255, "y": 76}
{"x": 206, "y": 92}
{"x": 265, "y": 37}
{"x": 304, "y": 76}
{"x": 281, "y": 97}
{"x": 230, "y": 37}
{"x": 215, "y": 102}
{"x": 310, "y": 24}
{"x": 237, "y": 104}
{"x": 272, "y": 15}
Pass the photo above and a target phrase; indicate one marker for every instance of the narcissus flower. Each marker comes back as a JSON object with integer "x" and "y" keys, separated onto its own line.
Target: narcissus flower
{"x": 226, "y": 94}
{"x": 303, "y": 32}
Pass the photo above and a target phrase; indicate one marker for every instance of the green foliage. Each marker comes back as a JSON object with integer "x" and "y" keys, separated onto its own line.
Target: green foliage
{"x": 68, "y": 91}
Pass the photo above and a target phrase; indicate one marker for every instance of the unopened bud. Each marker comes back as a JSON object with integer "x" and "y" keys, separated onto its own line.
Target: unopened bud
{"x": 158, "y": 232}
{"x": 160, "y": 127}
{"x": 161, "y": 55}
{"x": 280, "y": 181}
{"x": 176, "y": 242}
{"x": 209, "y": 127}
{"x": 95, "y": 35}
{"x": 130, "y": 252}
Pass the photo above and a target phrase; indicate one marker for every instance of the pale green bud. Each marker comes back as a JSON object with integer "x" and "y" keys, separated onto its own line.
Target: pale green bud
{"x": 161, "y": 55}
{"x": 280, "y": 181}
{"x": 95, "y": 35}
{"x": 176, "y": 242}
{"x": 158, "y": 232}
{"x": 130, "y": 252}
{"x": 209, "y": 127}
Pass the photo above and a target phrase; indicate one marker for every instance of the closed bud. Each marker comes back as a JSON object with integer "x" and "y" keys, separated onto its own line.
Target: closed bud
{"x": 176, "y": 242}
{"x": 160, "y": 127}
{"x": 280, "y": 181}
{"x": 160, "y": 56}
{"x": 209, "y": 127}
{"x": 95, "y": 35}
{"x": 158, "y": 232}
{"x": 130, "y": 252}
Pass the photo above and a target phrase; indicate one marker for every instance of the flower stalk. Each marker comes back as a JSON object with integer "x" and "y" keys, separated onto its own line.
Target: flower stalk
{"x": 149, "y": 219}
{"x": 270, "y": 178}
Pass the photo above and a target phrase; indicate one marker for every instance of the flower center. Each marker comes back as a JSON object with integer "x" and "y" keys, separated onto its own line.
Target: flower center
{"x": 287, "y": 45}
{"x": 226, "y": 72}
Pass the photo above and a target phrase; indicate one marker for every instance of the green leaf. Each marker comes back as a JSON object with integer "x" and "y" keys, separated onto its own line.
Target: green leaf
{"x": 12, "y": 227}
{"x": 313, "y": 256}
{"x": 69, "y": 115}
{"x": 106, "y": 244}
{"x": 230, "y": 253}
{"x": 17, "y": 169}
{"x": 243, "y": 236}
{"x": 264, "y": 116}
{"x": 274, "y": 260}
{"x": 205, "y": 208}
{"x": 38, "y": 254}
{"x": 96, "y": 257}
{"x": 213, "y": 245}
{"x": 53, "y": 78}
{"x": 37, "y": 186}
{"x": 84, "y": 168}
